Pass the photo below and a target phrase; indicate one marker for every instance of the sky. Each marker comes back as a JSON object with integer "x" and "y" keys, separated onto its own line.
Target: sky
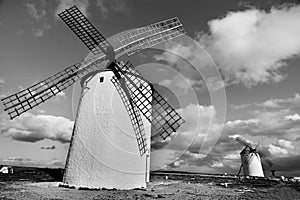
{"x": 235, "y": 73}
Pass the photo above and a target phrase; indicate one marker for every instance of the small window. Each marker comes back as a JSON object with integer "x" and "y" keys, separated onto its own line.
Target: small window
{"x": 101, "y": 79}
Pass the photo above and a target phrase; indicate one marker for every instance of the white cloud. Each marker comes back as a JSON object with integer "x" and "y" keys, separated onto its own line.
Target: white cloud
{"x": 293, "y": 102}
{"x": 232, "y": 156}
{"x": 271, "y": 119}
{"x": 107, "y": 6}
{"x": 293, "y": 117}
{"x": 239, "y": 106}
{"x": 287, "y": 103}
{"x": 33, "y": 128}
{"x": 20, "y": 32}
{"x": 239, "y": 122}
{"x": 104, "y": 6}
{"x": 184, "y": 51}
{"x": 34, "y": 12}
{"x": 38, "y": 13}
{"x": 182, "y": 84}
{"x": 2, "y": 81}
{"x": 270, "y": 103}
{"x": 277, "y": 151}
{"x": 251, "y": 46}
{"x": 18, "y": 161}
{"x": 285, "y": 144}
{"x": 178, "y": 163}
{"x": 40, "y": 31}
{"x": 247, "y": 46}
{"x": 60, "y": 96}
{"x": 65, "y": 4}
{"x": 217, "y": 164}
{"x": 265, "y": 123}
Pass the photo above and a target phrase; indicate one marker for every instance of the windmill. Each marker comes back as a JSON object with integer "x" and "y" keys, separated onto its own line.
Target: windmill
{"x": 100, "y": 154}
{"x": 251, "y": 159}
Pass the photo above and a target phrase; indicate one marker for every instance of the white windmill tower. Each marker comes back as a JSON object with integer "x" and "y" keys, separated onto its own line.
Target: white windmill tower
{"x": 103, "y": 153}
{"x": 251, "y": 159}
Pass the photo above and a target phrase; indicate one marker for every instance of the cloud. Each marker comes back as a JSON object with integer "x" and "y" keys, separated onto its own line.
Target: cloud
{"x": 293, "y": 102}
{"x": 224, "y": 156}
{"x": 20, "y": 161}
{"x": 17, "y": 160}
{"x": 293, "y": 117}
{"x": 275, "y": 150}
{"x": 65, "y": 4}
{"x": 217, "y": 164}
{"x": 38, "y": 13}
{"x": 60, "y": 96}
{"x": 20, "y": 32}
{"x": 34, "y": 12}
{"x": 49, "y": 148}
{"x": 232, "y": 156}
{"x": 33, "y": 128}
{"x": 285, "y": 144}
{"x": 245, "y": 45}
{"x": 2, "y": 82}
{"x": 182, "y": 84}
{"x": 266, "y": 123}
{"x": 104, "y": 6}
{"x": 248, "y": 45}
{"x": 40, "y": 31}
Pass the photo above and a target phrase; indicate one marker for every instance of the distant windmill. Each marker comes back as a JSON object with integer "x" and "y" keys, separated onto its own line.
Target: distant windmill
{"x": 101, "y": 154}
{"x": 251, "y": 159}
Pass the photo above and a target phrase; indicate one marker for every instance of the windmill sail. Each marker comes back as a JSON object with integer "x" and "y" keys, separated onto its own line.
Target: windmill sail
{"x": 131, "y": 42}
{"x": 151, "y": 35}
{"x": 266, "y": 158}
{"x": 27, "y": 99}
{"x": 244, "y": 142}
{"x": 141, "y": 38}
{"x": 85, "y": 30}
{"x": 166, "y": 120}
{"x": 134, "y": 114}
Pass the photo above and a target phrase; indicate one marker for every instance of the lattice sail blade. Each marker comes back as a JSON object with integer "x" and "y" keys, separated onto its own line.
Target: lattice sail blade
{"x": 266, "y": 158}
{"x": 151, "y": 35}
{"x": 164, "y": 119}
{"x": 27, "y": 99}
{"x": 134, "y": 114}
{"x": 243, "y": 142}
{"x": 85, "y": 30}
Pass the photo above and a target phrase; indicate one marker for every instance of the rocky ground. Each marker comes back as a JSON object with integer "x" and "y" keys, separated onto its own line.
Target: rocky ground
{"x": 33, "y": 184}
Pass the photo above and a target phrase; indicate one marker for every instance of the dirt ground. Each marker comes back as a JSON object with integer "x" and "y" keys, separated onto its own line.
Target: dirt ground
{"x": 42, "y": 185}
{"x": 176, "y": 190}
